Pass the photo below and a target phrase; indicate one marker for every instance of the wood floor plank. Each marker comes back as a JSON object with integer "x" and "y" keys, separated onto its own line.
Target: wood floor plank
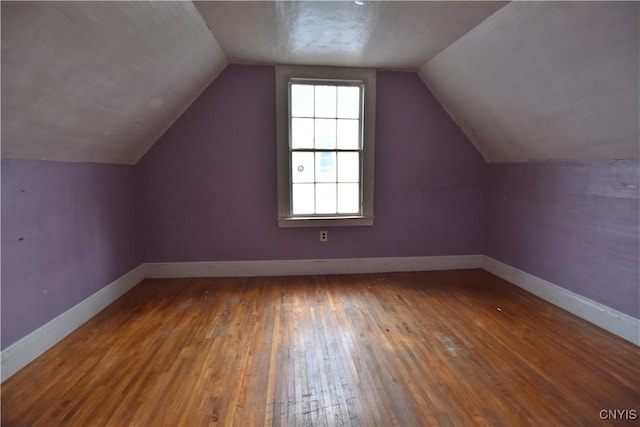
{"x": 450, "y": 348}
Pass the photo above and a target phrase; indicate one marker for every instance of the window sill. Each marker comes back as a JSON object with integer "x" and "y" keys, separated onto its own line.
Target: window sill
{"x": 338, "y": 221}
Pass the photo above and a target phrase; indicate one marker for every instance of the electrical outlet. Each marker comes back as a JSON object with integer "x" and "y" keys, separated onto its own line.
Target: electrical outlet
{"x": 324, "y": 236}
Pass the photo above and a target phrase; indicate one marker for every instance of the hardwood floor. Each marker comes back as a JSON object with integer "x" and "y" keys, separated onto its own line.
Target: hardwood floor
{"x": 459, "y": 348}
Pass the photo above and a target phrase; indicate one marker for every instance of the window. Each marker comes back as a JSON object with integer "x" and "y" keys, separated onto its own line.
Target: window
{"x": 325, "y": 127}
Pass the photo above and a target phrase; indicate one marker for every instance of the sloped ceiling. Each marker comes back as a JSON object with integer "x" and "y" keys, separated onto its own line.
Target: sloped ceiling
{"x": 546, "y": 81}
{"x": 101, "y": 81}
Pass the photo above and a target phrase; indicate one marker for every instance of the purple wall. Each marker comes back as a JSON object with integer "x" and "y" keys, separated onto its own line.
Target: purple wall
{"x": 68, "y": 230}
{"x": 207, "y": 191}
{"x": 573, "y": 224}
{"x": 209, "y": 184}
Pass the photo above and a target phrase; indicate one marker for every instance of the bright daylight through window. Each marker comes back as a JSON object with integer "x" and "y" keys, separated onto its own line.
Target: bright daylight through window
{"x": 328, "y": 148}
{"x": 325, "y": 149}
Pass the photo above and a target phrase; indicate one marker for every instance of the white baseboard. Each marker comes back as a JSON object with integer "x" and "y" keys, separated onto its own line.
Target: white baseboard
{"x": 618, "y": 323}
{"x": 311, "y": 266}
{"x": 27, "y": 349}
{"x": 21, "y": 353}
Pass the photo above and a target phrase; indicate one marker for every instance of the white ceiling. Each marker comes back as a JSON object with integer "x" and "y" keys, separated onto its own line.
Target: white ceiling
{"x": 382, "y": 34}
{"x": 546, "y": 81}
{"x": 101, "y": 81}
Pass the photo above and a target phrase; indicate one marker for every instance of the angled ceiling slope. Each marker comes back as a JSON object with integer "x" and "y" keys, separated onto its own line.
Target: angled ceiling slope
{"x": 526, "y": 81}
{"x": 99, "y": 81}
{"x": 546, "y": 81}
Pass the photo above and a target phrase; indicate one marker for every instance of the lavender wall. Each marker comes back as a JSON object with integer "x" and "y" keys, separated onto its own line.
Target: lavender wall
{"x": 68, "y": 229}
{"x": 573, "y": 224}
{"x": 209, "y": 184}
{"x": 207, "y": 191}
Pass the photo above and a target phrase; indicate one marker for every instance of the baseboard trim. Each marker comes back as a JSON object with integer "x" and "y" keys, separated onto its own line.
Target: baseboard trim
{"x": 618, "y": 323}
{"x": 27, "y": 349}
{"x": 310, "y": 266}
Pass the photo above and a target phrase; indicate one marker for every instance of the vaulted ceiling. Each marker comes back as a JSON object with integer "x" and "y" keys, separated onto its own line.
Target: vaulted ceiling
{"x": 546, "y": 81}
{"x": 525, "y": 81}
{"x": 99, "y": 81}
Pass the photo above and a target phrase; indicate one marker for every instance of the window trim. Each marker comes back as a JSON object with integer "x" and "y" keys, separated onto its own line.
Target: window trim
{"x": 283, "y": 74}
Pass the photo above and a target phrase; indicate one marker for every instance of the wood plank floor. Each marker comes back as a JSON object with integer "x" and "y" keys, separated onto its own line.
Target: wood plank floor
{"x": 452, "y": 348}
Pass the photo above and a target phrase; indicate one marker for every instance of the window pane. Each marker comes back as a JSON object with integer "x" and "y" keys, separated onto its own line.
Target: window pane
{"x": 348, "y": 198}
{"x": 326, "y": 198}
{"x": 301, "y": 133}
{"x": 326, "y": 166}
{"x": 302, "y": 164}
{"x": 349, "y": 167}
{"x": 303, "y": 199}
{"x": 302, "y": 100}
{"x": 325, "y": 101}
{"x": 349, "y": 102}
{"x": 325, "y": 133}
{"x": 348, "y": 134}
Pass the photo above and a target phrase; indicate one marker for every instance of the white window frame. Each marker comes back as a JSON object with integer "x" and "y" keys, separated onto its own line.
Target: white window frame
{"x": 284, "y": 74}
